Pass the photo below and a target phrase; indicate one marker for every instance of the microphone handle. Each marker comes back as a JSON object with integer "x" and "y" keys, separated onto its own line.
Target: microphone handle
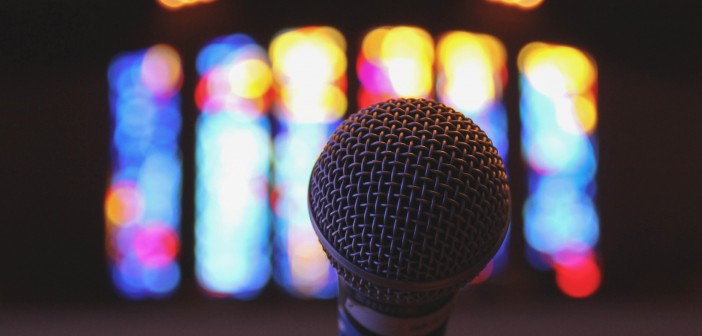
{"x": 360, "y": 316}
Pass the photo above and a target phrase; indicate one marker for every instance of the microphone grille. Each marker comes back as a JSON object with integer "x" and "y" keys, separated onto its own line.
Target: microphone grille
{"x": 410, "y": 199}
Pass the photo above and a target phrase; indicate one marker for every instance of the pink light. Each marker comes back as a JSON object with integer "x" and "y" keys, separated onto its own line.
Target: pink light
{"x": 156, "y": 245}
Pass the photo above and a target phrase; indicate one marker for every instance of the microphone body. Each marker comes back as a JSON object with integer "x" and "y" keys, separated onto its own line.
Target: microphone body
{"x": 360, "y": 315}
{"x": 410, "y": 201}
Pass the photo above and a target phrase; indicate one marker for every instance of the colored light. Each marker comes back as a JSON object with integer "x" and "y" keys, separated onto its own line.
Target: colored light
{"x": 557, "y": 70}
{"x": 559, "y": 119}
{"x": 142, "y": 203}
{"x": 395, "y": 62}
{"x": 309, "y": 67}
{"x": 123, "y": 204}
{"x": 178, "y": 4}
{"x": 521, "y": 4}
{"x": 470, "y": 78}
{"x": 578, "y": 278}
{"x": 156, "y": 245}
{"x": 250, "y": 78}
{"x": 233, "y": 149}
{"x": 160, "y": 70}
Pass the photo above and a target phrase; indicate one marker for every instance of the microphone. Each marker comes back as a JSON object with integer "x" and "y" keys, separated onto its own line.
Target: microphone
{"x": 410, "y": 201}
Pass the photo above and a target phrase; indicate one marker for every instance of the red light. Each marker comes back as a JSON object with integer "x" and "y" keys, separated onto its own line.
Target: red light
{"x": 578, "y": 278}
{"x": 201, "y": 93}
{"x": 484, "y": 274}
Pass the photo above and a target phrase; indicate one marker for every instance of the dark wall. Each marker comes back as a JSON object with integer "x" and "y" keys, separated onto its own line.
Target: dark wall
{"x": 54, "y": 126}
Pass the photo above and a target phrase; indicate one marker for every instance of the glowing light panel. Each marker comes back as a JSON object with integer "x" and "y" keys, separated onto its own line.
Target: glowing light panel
{"x": 309, "y": 67}
{"x": 471, "y": 75}
{"x": 142, "y": 203}
{"x": 395, "y": 62}
{"x": 233, "y": 149}
{"x": 559, "y": 119}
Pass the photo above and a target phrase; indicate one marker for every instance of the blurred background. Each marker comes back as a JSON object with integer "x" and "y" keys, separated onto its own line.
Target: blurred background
{"x": 155, "y": 158}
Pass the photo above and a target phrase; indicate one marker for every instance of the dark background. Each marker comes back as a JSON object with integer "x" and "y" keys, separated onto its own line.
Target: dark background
{"x": 54, "y": 133}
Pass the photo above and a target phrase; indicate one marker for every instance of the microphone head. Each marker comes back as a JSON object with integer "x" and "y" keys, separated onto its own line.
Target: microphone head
{"x": 409, "y": 199}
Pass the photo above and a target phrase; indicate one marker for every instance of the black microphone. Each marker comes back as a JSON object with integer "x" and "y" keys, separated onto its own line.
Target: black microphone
{"x": 410, "y": 201}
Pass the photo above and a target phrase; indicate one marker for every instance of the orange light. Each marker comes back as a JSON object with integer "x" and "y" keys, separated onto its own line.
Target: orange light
{"x": 124, "y": 203}
{"x": 178, "y": 4}
{"x": 521, "y": 4}
{"x": 161, "y": 70}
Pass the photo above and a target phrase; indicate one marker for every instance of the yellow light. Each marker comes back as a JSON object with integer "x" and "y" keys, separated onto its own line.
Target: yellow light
{"x": 308, "y": 263}
{"x": 315, "y": 57}
{"x": 407, "y": 56}
{"x": 372, "y": 43}
{"x": 309, "y": 68}
{"x": 329, "y": 35}
{"x": 250, "y": 78}
{"x": 585, "y": 113}
{"x": 470, "y": 64}
{"x": 557, "y": 70}
{"x": 408, "y": 42}
{"x": 314, "y": 103}
{"x": 409, "y": 78}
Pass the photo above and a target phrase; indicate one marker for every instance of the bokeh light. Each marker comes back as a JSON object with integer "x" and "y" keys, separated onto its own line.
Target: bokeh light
{"x": 178, "y": 4}
{"x": 521, "y": 4}
{"x": 395, "y": 62}
{"x": 559, "y": 120}
{"x": 309, "y": 68}
{"x": 578, "y": 274}
{"x": 233, "y": 153}
{"x": 471, "y": 75}
{"x": 142, "y": 202}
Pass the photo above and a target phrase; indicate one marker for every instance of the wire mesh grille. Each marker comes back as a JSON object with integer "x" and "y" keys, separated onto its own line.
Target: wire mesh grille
{"x": 412, "y": 191}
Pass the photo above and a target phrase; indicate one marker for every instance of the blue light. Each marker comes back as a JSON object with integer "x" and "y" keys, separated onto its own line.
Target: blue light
{"x": 143, "y": 199}
{"x": 220, "y": 51}
{"x": 559, "y": 216}
{"x": 233, "y": 214}
{"x": 162, "y": 280}
{"x": 299, "y": 270}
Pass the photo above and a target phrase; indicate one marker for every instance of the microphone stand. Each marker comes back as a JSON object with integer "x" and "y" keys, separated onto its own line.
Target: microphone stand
{"x": 361, "y": 316}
